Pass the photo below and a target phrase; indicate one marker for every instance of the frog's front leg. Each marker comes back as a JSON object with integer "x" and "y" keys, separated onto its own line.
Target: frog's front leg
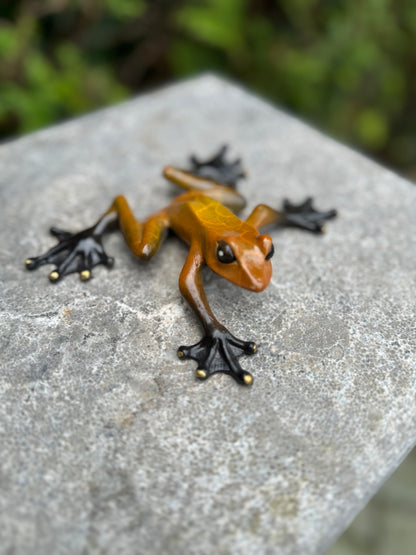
{"x": 303, "y": 216}
{"x": 218, "y": 350}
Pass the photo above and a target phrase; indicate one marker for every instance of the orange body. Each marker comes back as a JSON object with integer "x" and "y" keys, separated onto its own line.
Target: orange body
{"x": 204, "y": 218}
{"x": 204, "y": 223}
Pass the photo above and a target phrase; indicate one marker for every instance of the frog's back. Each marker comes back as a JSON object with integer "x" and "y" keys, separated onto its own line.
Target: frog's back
{"x": 195, "y": 212}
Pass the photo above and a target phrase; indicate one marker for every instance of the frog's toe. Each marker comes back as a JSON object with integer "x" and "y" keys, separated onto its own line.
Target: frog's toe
{"x": 52, "y": 256}
{"x": 197, "y": 352}
{"x": 54, "y": 276}
{"x": 248, "y": 378}
{"x": 201, "y": 374}
{"x": 247, "y": 347}
{"x": 31, "y": 264}
{"x": 59, "y": 233}
{"x": 106, "y": 260}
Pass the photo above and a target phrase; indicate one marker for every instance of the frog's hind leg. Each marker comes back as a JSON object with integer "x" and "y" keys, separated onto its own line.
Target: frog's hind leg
{"x": 227, "y": 196}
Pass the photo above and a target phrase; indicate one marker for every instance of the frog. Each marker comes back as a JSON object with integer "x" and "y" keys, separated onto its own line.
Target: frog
{"x": 206, "y": 217}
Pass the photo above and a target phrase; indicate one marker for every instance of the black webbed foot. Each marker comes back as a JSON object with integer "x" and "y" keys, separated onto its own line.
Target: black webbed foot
{"x": 305, "y": 216}
{"x": 216, "y": 168}
{"x": 218, "y": 352}
{"x": 75, "y": 252}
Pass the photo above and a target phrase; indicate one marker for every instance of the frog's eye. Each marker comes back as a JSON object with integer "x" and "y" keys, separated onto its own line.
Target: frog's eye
{"x": 270, "y": 253}
{"x": 225, "y": 253}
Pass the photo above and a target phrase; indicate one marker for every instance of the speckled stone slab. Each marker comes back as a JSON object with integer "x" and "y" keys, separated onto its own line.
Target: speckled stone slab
{"x": 109, "y": 444}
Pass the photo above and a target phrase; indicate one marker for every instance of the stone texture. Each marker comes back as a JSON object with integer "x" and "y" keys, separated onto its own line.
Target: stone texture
{"x": 109, "y": 444}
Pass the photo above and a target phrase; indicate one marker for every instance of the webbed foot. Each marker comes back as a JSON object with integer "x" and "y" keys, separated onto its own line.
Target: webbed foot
{"x": 75, "y": 252}
{"x": 218, "y": 352}
{"x": 216, "y": 168}
{"x": 305, "y": 216}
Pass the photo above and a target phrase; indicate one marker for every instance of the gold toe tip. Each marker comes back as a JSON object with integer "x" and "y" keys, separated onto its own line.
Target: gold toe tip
{"x": 254, "y": 348}
{"x": 201, "y": 374}
{"x": 248, "y": 379}
{"x": 85, "y": 275}
{"x": 28, "y": 261}
{"x": 180, "y": 354}
{"x": 53, "y": 276}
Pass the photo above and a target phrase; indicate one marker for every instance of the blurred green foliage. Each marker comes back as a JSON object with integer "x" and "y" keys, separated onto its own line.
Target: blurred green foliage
{"x": 347, "y": 66}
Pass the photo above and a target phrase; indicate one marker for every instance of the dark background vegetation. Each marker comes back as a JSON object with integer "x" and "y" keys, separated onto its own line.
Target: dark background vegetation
{"x": 347, "y": 66}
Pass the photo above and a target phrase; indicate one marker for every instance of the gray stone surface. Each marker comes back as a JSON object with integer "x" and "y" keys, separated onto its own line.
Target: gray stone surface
{"x": 386, "y": 526}
{"x": 109, "y": 444}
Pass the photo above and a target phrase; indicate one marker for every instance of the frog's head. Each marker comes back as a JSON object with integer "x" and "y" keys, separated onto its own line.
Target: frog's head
{"x": 243, "y": 259}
